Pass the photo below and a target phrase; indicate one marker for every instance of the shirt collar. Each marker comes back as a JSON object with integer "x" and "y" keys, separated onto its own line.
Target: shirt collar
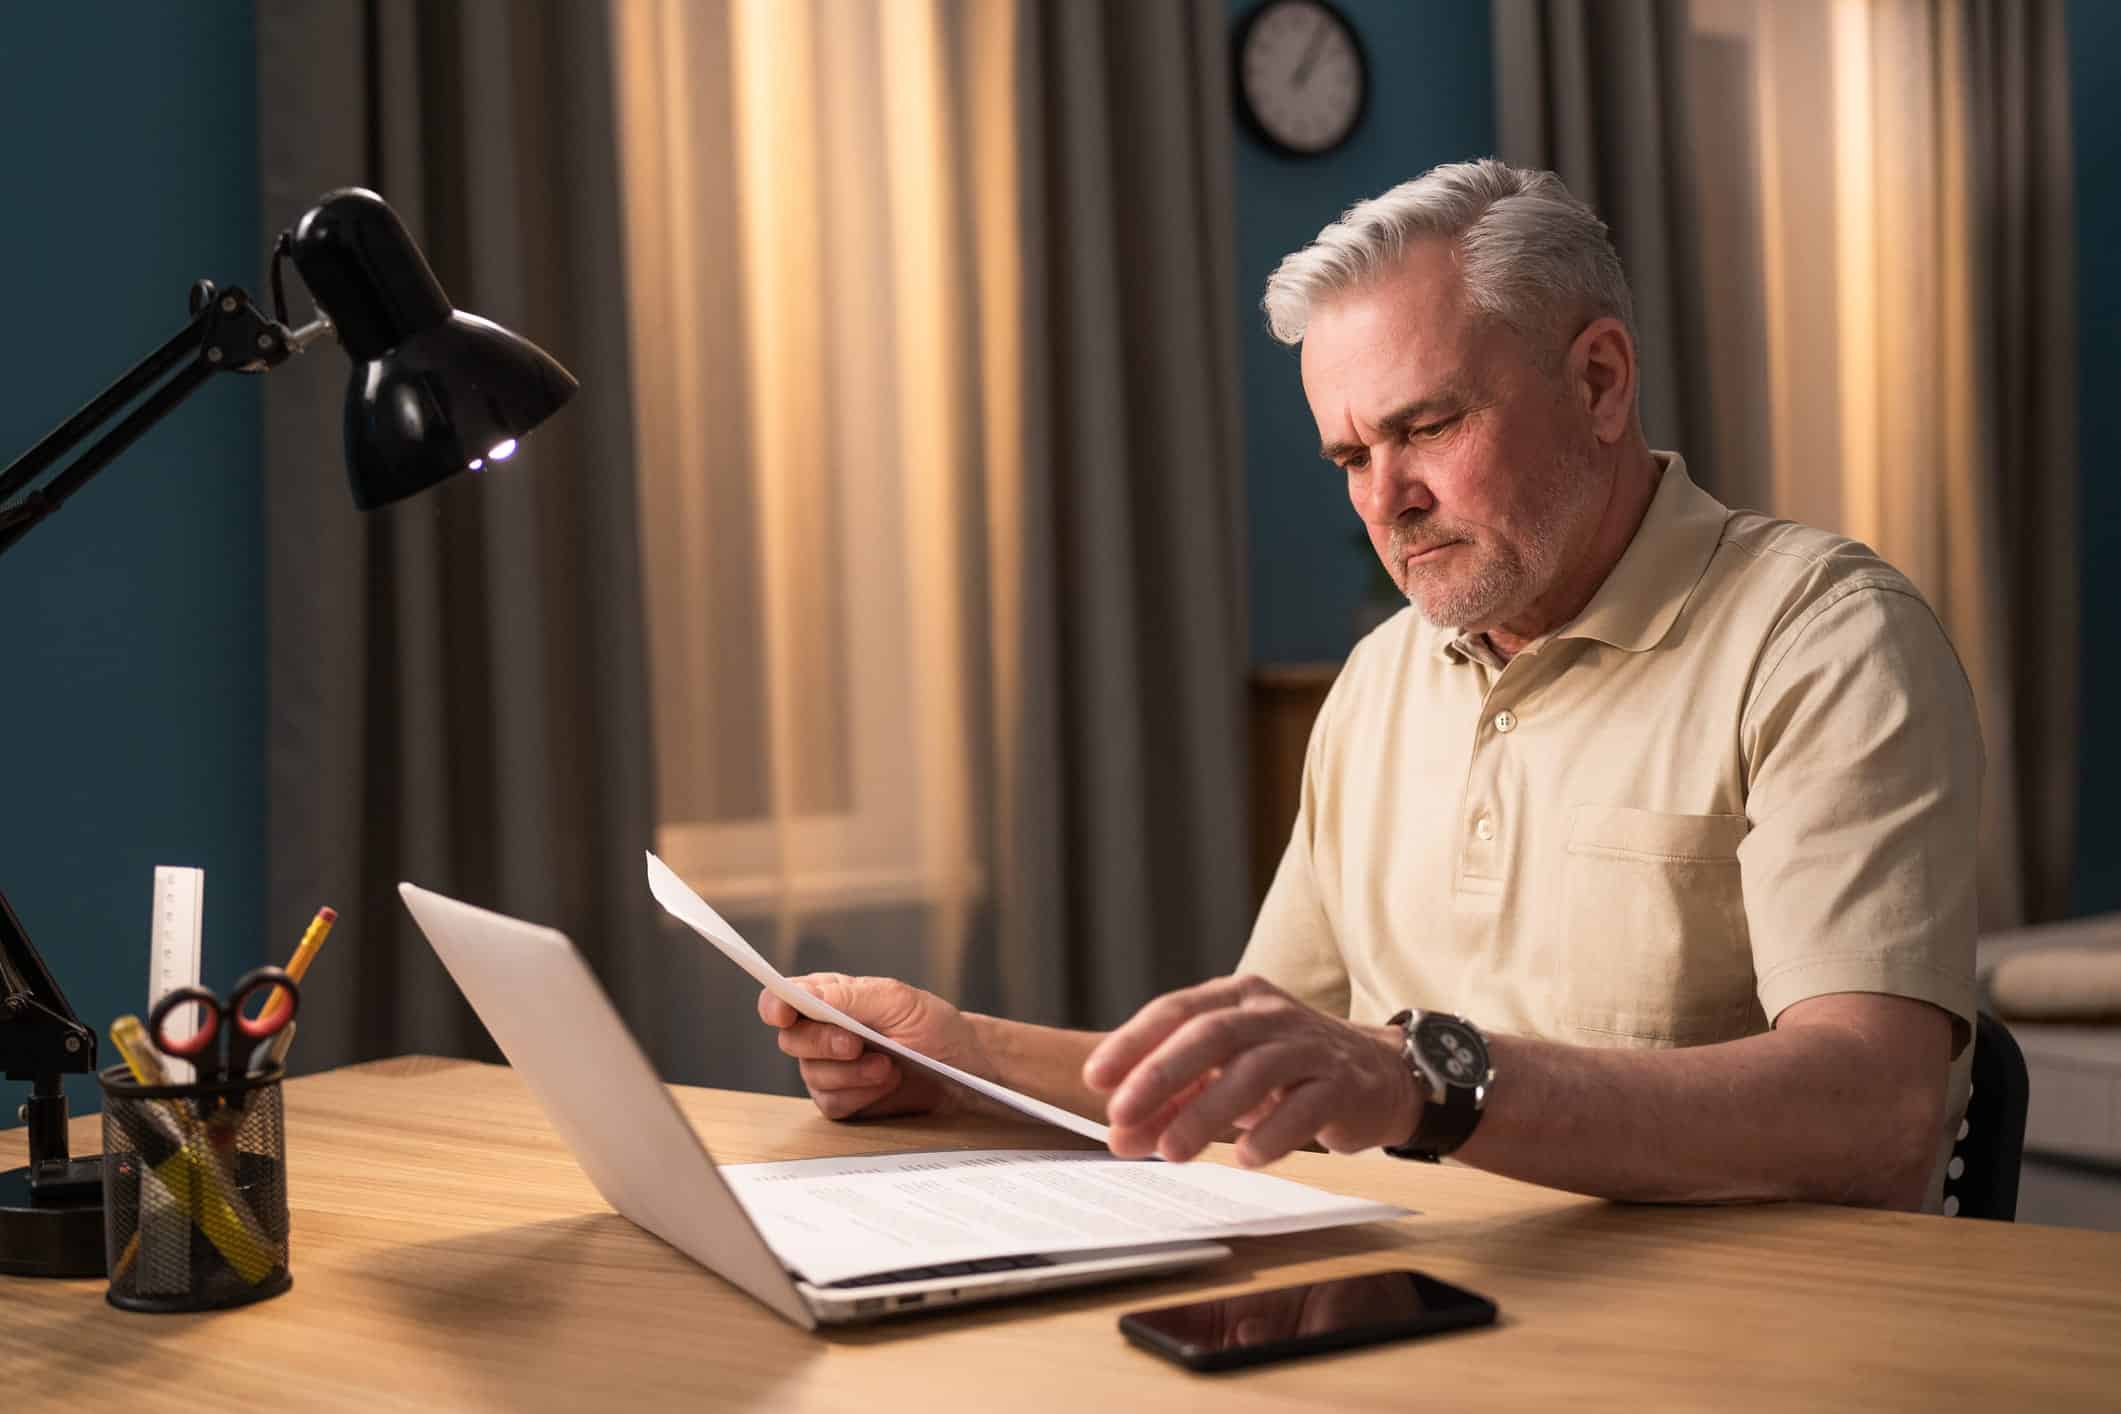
{"x": 1643, "y": 593}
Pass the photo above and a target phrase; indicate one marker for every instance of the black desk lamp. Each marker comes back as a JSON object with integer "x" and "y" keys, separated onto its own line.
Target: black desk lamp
{"x": 433, "y": 392}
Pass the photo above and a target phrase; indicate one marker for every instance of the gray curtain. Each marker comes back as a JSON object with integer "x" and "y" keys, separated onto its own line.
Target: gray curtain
{"x": 2023, "y": 182}
{"x": 1596, "y": 91}
{"x": 458, "y": 691}
{"x": 455, "y": 684}
{"x": 1133, "y": 818}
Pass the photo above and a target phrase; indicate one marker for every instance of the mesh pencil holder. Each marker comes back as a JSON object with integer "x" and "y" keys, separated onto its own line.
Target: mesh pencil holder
{"x": 194, "y": 1192}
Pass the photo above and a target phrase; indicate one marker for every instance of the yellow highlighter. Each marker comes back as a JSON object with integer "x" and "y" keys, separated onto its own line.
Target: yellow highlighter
{"x": 198, "y": 1183}
{"x": 130, "y": 1037}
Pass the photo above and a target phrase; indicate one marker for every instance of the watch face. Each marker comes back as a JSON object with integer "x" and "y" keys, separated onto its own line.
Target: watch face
{"x": 1453, "y": 1048}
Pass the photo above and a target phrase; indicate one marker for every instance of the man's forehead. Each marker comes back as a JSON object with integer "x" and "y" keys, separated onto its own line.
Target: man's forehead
{"x": 1355, "y": 386}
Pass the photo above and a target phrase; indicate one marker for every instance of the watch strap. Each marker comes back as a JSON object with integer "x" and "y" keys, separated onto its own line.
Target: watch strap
{"x": 1442, "y": 1128}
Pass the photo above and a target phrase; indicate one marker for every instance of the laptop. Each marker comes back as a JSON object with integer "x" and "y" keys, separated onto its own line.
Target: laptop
{"x": 552, "y": 1019}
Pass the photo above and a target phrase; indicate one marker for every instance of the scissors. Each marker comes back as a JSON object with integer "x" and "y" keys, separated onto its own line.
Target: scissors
{"x": 225, "y": 1019}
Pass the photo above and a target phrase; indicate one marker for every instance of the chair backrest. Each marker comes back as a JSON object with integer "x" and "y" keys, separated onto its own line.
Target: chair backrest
{"x": 1982, "y": 1179}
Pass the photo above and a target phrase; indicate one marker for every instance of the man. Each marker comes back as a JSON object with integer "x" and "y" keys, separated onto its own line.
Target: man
{"x": 1676, "y": 803}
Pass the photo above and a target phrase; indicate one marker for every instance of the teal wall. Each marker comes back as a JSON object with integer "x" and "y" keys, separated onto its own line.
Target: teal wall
{"x": 2095, "y": 99}
{"x": 132, "y": 622}
{"x": 1432, "y": 100}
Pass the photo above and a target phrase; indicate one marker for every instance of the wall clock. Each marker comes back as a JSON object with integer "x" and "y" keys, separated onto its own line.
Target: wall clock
{"x": 1300, "y": 80}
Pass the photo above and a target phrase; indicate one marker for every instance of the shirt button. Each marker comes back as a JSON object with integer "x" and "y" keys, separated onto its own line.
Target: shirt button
{"x": 1505, "y": 722}
{"x": 1484, "y": 827}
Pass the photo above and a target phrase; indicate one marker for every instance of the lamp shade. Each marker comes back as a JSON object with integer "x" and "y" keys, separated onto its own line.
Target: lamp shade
{"x": 434, "y": 391}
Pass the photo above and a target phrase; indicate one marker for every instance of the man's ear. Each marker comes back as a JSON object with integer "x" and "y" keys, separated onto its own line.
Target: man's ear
{"x": 1602, "y": 376}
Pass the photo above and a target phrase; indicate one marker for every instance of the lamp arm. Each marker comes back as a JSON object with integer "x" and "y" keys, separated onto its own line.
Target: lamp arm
{"x": 40, "y": 1036}
{"x": 226, "y": 334}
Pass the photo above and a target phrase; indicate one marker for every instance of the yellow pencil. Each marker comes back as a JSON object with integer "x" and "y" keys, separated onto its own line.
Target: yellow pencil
{"x": 305, "y": 953}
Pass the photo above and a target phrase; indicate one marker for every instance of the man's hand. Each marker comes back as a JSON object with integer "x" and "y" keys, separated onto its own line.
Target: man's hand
{"x": 1240, "y": 1051}
{"x": 846, "y": 1080}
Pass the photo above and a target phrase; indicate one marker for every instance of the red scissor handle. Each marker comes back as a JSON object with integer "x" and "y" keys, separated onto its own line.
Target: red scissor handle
{"x": 270, "y": 1021}
{"x": 186, "y": 1047}
{"x": 272, "y": 1017}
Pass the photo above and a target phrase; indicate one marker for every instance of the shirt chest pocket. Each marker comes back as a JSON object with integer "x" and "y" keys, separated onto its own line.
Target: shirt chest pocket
{"x": 1653, "y": 930}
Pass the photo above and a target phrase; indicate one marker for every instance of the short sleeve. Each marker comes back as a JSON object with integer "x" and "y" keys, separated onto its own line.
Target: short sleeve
{"x": 1864, "y": 760}
{"x": 1293, "y": 944}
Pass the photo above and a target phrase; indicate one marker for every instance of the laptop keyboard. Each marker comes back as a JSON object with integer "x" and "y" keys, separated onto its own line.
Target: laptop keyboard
{"x": 948, "y": 1269}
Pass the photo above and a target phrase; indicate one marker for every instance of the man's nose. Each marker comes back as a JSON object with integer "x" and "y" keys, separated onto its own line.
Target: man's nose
{"x": 1393, "y": 489}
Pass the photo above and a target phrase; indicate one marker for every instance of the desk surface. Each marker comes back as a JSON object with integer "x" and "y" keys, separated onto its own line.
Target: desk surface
{"x": 449, "y": 1254}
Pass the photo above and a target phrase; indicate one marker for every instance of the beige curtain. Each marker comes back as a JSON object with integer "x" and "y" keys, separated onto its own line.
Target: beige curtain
{"x": 1596, "y": 91}
{"x": 1888, "y": 275}
{"x": 929, "y": 311}
{"x": 816, "y": 584}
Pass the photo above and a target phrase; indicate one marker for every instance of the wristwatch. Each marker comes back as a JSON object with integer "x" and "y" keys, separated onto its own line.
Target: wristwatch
{"x": 1449, "y": 1058}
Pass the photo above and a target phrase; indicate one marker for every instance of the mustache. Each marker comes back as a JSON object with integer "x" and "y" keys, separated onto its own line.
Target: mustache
{"x": 1408, "y": 538}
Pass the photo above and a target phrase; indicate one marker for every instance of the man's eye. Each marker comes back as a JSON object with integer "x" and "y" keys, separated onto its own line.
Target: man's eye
{"x": 1359, "y": 462}
{"x": 1430, "y": 432}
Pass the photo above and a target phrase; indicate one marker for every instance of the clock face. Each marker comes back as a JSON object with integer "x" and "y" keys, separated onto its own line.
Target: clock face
{"x": 1300, "y": 76}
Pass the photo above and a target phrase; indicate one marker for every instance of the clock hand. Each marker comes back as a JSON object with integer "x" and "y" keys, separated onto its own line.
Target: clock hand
{"x": 1311, "y": 51}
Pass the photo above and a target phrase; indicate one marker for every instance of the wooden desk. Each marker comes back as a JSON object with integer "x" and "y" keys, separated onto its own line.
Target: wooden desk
{"x": 448, "y": 1254}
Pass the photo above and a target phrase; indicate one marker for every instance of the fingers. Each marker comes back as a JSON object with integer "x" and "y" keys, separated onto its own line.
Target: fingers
{"x": 814, "y": 1040}
{"x": 845, "y": 1104}
{"x": 1291, "y": 1124}
{"x": 1250, "y": 1118}
{"x": 842, "y": 1088}
{"x": 1241, "y": 1088}
{"x": 802, "y": 1037}
{"x": 1266, "y": 1054}
{"x": 1139, "y": 1141}
{"x": 1119, "y": 1053}
{"x": 775, "y": 1012}
{"x": 843, "y": 1077}
{"x": 871, "y": 1070}
{"x": 1196, "y": 1047}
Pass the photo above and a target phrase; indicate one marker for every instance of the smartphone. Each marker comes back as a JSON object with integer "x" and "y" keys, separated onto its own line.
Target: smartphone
{"x": 1255, "y": 1327}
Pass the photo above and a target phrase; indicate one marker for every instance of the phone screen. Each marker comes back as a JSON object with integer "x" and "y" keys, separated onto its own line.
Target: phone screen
{"x": 1256, "y": 1326}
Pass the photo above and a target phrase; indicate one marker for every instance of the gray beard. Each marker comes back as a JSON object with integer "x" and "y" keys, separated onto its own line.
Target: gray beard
{"x": 1490, "y": 591}
{"x": 1507, "y": 576}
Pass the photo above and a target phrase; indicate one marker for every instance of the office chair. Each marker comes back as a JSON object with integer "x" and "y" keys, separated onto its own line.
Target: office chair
{"x": 1982, "y": 1178}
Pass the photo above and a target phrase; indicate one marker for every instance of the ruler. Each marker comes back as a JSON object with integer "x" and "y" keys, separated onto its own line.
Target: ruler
{"x": 173, "y": 949}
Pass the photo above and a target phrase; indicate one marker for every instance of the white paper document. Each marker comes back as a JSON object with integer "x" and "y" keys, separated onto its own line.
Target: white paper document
{"x": 831, "y": 1219}
{"x": 693, "y": 911}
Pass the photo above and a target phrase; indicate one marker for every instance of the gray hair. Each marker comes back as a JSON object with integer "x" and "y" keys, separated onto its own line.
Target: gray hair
{"x": 1531, "y": 254}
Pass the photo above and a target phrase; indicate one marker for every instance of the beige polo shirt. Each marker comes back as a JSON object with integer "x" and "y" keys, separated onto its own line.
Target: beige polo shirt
{"x": 1746, "y": 774}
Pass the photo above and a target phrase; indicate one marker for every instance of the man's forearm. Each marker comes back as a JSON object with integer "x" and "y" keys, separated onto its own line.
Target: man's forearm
{"x": 1794, "y": 1114}
{"x": 1044, "y": 1062}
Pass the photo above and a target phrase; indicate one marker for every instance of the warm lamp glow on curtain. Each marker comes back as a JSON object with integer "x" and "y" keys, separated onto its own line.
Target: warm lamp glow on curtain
{"x": 1836, "y": 138}
{"x": 822, "y": 246}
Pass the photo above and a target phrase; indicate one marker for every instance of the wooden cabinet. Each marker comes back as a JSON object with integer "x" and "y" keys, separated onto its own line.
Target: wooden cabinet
{"x": 1285, "y": 698}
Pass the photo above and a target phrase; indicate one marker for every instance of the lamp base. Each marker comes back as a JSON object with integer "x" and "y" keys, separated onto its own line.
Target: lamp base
{"x": 48, "y": 1237}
